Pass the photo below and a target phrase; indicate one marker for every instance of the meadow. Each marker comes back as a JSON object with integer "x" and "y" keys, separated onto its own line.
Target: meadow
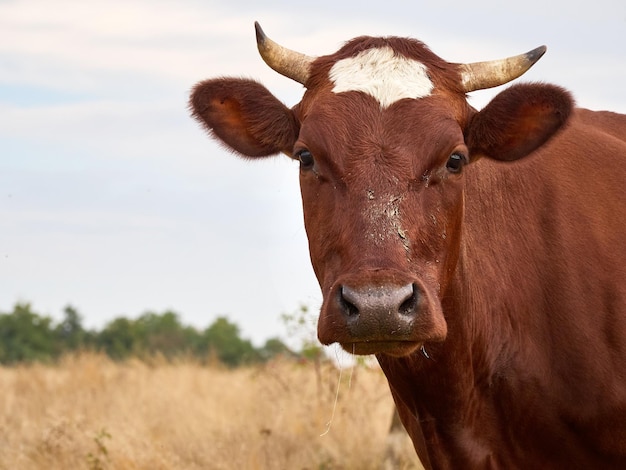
{"x": 89, "y": 412}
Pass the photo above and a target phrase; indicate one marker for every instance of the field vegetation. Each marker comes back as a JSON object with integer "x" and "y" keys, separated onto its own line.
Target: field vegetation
{"x": 152, "y": 393}
{"x": 88, "y": 411}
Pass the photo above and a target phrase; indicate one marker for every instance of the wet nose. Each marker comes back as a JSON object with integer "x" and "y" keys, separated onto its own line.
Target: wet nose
{"x": 380, "y": 304}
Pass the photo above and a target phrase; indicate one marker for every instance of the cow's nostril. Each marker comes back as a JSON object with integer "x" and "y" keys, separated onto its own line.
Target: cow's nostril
{"x": 409, "y": 306}
{"x": 347, "y": 302}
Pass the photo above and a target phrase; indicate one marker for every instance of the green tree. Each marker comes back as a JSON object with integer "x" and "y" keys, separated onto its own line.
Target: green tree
{"x": 70, "y": 332}
{"x": 119, "y": 338}
{"x": 26, "y": 336}
{"x": 274, "y": 347}
{"x": 165, "y": 334}
{"x": 222, "y": 339}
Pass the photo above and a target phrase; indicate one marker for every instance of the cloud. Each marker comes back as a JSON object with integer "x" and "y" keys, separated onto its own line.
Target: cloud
{"x": 69, "y": 45}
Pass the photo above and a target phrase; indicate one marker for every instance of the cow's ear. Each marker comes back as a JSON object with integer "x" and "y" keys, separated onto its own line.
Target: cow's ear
{"x": 245, "y": 116}
{"x": 518, "y": 121}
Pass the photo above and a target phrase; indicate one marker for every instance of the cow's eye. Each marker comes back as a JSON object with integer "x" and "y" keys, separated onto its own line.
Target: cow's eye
{"x": 306, "y": 159}
{"x": 456, "y": 162}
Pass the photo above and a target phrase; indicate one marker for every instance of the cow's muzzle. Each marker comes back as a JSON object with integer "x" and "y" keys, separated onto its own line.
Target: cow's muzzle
{"x": 366, "y": 308}
{"x": 380, "y": 317}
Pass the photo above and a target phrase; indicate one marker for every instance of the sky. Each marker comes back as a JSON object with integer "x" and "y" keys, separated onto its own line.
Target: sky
{"x": 113, "y": 200}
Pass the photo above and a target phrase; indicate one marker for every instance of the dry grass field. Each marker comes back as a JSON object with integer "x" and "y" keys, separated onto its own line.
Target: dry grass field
{"x": 91, "y": 413}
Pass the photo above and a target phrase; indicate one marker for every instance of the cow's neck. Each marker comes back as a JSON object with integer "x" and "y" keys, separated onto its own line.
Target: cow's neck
{"x": 445, "y": 386}
{"x": 454, "y": 390}
{"x": 443, "y": 373}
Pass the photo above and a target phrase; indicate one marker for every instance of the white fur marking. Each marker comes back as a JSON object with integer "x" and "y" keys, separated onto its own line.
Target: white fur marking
{"x": 383, "y": 75}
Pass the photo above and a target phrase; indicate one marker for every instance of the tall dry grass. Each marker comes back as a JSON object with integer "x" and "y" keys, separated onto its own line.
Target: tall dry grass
{"x": 91, "y": 413}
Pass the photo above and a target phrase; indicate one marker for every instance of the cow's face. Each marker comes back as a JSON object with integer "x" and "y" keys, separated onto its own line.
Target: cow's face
{"x": 383, "y": 135}
{"x": 383, "y": 204}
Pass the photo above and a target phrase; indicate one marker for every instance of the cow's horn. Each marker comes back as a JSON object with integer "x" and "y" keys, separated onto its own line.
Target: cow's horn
{"x": 286, "y": 62}
{"x": 481, "y": 75}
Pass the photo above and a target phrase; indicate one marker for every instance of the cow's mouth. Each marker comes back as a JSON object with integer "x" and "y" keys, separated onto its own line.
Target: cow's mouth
{"x": 391, "y": 348}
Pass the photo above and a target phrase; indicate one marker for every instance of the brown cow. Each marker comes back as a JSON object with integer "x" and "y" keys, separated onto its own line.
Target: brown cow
{"x": 481, "y": 255}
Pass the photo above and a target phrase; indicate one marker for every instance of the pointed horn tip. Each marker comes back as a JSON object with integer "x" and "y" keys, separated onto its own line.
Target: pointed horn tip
{"x": 536, "y": 53}
{"x": 286, "y": 62}
{"x": 260, "y": 35}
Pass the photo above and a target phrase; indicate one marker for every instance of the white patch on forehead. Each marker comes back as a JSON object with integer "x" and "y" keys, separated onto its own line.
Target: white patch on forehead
{"x": 382, "y": 74}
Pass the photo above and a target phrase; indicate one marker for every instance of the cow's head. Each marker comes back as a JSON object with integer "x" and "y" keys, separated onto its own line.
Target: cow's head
{"x": 383, "y": 134}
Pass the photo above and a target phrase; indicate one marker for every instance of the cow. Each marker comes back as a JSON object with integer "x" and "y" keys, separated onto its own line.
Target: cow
{"x": 479, "y": 254}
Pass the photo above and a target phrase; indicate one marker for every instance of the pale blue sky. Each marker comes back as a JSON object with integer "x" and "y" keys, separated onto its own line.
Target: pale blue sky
{"x": 113, "y": 200}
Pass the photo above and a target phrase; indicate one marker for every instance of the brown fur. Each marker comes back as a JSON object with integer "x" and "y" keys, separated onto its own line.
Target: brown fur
{"x": 509, "y": 351}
